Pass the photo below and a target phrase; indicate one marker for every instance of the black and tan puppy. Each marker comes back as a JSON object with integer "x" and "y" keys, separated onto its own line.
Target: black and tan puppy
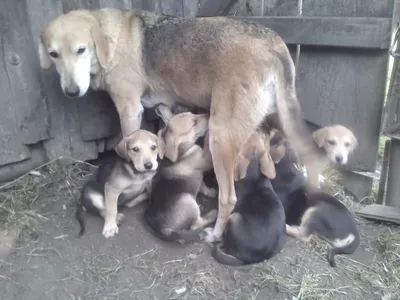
{"x": 173, "y": 213}
{"x": 122, "y": 181}
{"x": 311, "y": 211}
{"x": 256, "y": 229}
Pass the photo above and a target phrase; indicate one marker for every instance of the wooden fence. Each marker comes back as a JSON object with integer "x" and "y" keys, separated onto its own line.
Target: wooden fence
{"x": 341, "y": 73}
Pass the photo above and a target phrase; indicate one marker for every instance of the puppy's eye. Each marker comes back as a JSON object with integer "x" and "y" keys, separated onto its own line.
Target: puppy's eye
{"x": 53, "y": 54}
{"x": 153, "y": 148}
{"x": 135, "y": 149}
{"x": 81, "y": 50}
{"x": 347, "y": 144}
{"x": 331, "y": 142}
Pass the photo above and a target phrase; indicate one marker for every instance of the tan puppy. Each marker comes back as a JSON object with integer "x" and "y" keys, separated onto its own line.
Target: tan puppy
{"x": 124, "y": 181}
{"x": 240, "y": 71}
{"x": 336, "y": 143}
{"x": 173, "y": 213}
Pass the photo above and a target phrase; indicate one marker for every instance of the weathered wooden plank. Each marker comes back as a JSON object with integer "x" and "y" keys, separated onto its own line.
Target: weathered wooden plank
{"x": 212, "y": 8}
{"x": 191, "y": 7}
{"x": 98, "y": 116}
{"x": 348, "y": 8}
{"x": 25, "y": 86}
{"x": 69, "y": 5}
{"x": 393, "y": 186}
{"x": 137, "y": 4}
{"x": 380, "y": 212}
{"x": 122, "y": 4}
{"x": 172, "y": 7}
{"x": 371, "y": 33}
{"x": 265, "y": 8}
{"x": 64, "y": 112}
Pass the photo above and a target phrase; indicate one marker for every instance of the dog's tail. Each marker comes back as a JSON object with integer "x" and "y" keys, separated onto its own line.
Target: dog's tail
{"x": 348, "y": 249}
{"x": 79, "y": 214}
{"x": 290, "y": 113}
{"x": 225, "y": 258}
{"x": 171, "y": 235}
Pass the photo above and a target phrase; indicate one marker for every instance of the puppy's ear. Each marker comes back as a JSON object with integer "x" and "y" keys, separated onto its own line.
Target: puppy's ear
{"x": 320, "y": 136}
{"x": 122, "y": 149}
{"x": 277, "y": 152}
{"x": 101, "y": 45}
{"x": 44, "y": 57}
{"x": 354, "y": 142}
{"x": 160, "y": 147}
{"x": 171, "y": 150}
{"x": 267, "y": 166}
{"x": 242, "y": 163}
{"x": 164, "y": 112}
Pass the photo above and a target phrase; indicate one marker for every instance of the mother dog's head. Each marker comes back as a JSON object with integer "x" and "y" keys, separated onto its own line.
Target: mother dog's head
{"x": 77, "y": 47}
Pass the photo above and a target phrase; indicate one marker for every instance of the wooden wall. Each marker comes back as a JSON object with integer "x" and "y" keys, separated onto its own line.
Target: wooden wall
{"x": 341, "y": 73}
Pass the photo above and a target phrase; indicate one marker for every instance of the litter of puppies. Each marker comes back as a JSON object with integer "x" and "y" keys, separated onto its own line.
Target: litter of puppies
{"x": 139, "y": 58}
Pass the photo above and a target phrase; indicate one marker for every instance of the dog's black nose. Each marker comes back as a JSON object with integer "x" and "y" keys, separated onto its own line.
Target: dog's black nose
{"x": 148, "y": 165}
{"x": 339, "y": 159}
{"x": 72, "y": 91}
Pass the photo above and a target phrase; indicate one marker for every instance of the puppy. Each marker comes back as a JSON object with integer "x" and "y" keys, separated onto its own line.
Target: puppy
{"x": 336, "y": 143}
{"x": 310, "y": 211}
{"x": 173, "y": 213}
{"x": 256, "y": 229}
{"x": 122, "y": 181}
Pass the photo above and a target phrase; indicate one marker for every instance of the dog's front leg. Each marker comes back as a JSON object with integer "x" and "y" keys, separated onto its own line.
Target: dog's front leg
{"x": 207, "y": 191}
{"x": 138, "y": 199}
{"x": 130, "y": 111}
{"x": 111, "y": 199}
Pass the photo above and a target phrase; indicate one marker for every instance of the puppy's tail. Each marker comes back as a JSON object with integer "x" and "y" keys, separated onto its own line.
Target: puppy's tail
{"x": 348, "y": 249}
{"x": 79, "y": 214}
{"x": 225, "y": 258}
{"x": 290, "y": 112}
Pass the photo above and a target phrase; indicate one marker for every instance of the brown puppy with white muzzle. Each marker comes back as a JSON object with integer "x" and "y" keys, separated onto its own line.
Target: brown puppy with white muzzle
{"x": 173, "y": 213}
{"x": 123, "y": 181}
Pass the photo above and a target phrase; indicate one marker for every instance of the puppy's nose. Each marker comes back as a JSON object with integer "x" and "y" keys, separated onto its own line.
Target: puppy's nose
{"x": 339, "y": 158}
{"x": 72, "y": 91}
{"x": 148, "y": 165}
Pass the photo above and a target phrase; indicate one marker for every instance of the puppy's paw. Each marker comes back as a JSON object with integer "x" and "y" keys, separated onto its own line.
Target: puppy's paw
{"x": 120, "y": 218}
{"x": 208, "y": 235}
{"x": 110, "y": 229}
{"x": 211, "y": 193}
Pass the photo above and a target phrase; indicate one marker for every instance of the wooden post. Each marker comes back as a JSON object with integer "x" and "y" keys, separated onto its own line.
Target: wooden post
{"x": 393, "y": 186}
{"x": 383, "y": 179}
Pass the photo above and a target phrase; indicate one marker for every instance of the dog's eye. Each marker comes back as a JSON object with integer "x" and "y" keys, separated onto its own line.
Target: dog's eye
{"x": 347, "y": 144}
{"x": 135, "y": 149}
{"x": 53, "y": 54}
{"x": 81, "y": 50}
{"x": 153, "y": 148}
{"x": 331, "y": 142}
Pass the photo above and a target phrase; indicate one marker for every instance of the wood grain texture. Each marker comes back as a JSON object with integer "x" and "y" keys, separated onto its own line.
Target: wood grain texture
{"x": 330, "y": 31}
{"x": 346, "y": 86}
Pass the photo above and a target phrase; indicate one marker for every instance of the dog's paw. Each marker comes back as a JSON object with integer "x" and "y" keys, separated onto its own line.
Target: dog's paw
{"x": 211, "y": 193}
{"x": 208, "y": 235}
{"x": 110, "y": 229}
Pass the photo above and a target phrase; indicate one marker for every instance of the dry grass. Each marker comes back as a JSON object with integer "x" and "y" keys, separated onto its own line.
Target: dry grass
{"x": 28, "y": 200}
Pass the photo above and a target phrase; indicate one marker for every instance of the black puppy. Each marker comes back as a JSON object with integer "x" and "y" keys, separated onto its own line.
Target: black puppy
{"x": 310, "y": 211}
{"x": 255, "y": 230}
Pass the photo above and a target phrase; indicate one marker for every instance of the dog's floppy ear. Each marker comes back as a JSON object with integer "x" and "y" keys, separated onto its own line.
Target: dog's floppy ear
{"x": 122, "y": 149}
{"x": 242, "y": 163}
{"x": 160, "y": 144}
{"x": 171, "y": 149}
{"x": 354, "y": 142}
{"x": 319, "y": 136}
{"x": 164, "y": 112}
{"x": 44, "y": 57}
{"x": 101, "y": 45}
{"x": 267, "y": 166}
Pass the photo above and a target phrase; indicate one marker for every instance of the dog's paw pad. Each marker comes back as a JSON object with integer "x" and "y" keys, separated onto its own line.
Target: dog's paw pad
{"x": 109, "y": 230}
{"x": 209, "y": 236}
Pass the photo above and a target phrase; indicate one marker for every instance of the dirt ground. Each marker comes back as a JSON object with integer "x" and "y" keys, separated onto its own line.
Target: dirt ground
{"x": 41, "y": 256}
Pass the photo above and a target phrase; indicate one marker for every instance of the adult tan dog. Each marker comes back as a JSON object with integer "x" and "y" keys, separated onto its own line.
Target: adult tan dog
{"x": 240, "y": 71}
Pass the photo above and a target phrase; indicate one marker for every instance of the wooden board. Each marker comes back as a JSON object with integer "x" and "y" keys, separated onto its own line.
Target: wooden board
{"x": 368, "y": 33}
{"x": 380, "y": 212}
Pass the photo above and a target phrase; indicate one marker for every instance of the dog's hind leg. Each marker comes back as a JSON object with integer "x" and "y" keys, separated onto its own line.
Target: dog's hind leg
{"x": 137, "y": 200}
{"x": 207, "y": 219}
{"x": 298, "y": 232}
